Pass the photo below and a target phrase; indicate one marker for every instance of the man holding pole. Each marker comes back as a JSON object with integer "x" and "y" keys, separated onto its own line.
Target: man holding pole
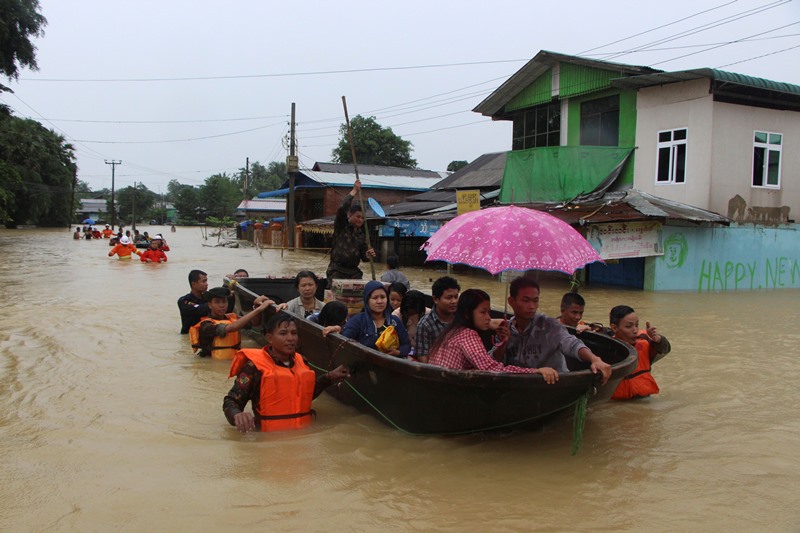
{"x": 349, "y": 240}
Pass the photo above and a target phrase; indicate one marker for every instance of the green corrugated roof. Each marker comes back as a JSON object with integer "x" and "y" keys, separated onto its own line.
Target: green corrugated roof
{"x": 750, "y": 81}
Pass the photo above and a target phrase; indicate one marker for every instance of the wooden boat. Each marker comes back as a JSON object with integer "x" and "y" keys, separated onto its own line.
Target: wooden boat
{"x": 420, "y": 398}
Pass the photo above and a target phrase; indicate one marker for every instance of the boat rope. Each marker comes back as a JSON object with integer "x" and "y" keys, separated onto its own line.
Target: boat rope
{"x": 579, "y": 420}
{"x": 580, "y": 408}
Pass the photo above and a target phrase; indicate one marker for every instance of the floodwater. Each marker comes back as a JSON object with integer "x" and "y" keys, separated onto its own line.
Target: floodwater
{"x": 109, "y": 422}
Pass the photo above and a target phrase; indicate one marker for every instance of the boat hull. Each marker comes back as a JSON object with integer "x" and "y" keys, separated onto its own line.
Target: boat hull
{"x": 420, "y": 398}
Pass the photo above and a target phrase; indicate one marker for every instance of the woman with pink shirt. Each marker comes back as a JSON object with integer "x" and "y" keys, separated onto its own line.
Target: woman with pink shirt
{"x": 460, "y": 346}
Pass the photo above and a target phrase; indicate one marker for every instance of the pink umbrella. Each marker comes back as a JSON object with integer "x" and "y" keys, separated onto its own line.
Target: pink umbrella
{"x": 510, "y": 238}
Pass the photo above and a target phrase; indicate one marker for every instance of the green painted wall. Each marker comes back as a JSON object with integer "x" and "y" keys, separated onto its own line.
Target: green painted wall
{"x": 627, "y": 124}
{"x": 534, "y": 94}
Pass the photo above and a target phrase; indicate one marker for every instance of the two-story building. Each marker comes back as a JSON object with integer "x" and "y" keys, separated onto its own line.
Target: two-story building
{"x": 702, "y": 147}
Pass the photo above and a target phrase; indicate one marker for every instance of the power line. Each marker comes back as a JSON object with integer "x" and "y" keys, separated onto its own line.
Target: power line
{"x": 739, "y": 41}
{"x": 182, "y": 140}
{"x": 279, "y": 75}
{"x": 759, "y": 57}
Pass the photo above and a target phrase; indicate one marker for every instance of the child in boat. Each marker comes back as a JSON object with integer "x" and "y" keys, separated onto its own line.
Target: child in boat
{"x": 332, "y": 314}
{"x": 650, "y": 346}
{"x": 411, "y": 311}
{"x": 460, "y": 346}
{"x": 368, "y": 325}
{"x": 397, "y": 291}
{"x": 572, "y": 308}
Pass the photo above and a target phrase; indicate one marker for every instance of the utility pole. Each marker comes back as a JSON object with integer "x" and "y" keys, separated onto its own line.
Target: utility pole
{"x": 292, "y": 166}
{"x": 72, "y": 200}
{"x": 113, "y": 207}
{"x": 133, "y": 208}
{"x": 246, "y": 178}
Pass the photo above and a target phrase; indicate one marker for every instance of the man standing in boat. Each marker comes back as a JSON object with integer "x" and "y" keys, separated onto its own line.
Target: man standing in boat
{"x": 536, "y": 341}
{"x": 445, "y": 301}
{"x": 192, "y": 306}
{"x": 349, "y": 246}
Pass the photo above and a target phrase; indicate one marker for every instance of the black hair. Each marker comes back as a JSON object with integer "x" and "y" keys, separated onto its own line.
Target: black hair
{"x": 413, "y": 302}
{"x": 246, "y": 273}
{"x": 469, "y": 300}
{"x": 277, "y": 319}
{"x": 305, "y": 274}
{"x": 442, "y": 284}
{"x": 333, "y": 314}
{"x": 393, "y": 262}
{"x": 618, "y": 313}
{"x": 522, "y": 283}
{"x": 194, "y": 275}
{"x": 399, "y": 288}
{"x": 572, "y": 298}
{"x": 354, "y": 208}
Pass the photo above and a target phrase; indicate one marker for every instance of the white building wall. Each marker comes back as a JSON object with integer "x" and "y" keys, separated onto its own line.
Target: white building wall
{"x": 719, "y": 157}
{"x": 732, "y": 152}
{"x": 678, "y": 105}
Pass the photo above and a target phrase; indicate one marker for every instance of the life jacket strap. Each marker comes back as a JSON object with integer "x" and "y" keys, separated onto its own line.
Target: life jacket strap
{"x": 639, "y": 373}
{"x": 312, "y": 412}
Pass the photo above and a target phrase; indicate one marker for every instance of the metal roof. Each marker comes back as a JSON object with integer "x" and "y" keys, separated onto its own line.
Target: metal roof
{"x": 541, "y": 62}
{"x": 486, "y": 171}
{"x": 726, "y": 86}
{"x": 263, "y": 205}
{"x": 630, "y": 205}
{"x": 347, "y": 168}
{"x": 370, "y": 181}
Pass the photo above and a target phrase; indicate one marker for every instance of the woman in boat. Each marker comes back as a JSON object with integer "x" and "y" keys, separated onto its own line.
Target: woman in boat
{"x": 376, "y": 317}
{"x": 277, "y": 381}
{"x": 306, "y": 283}
{"x": 397, "y": 291}
{"x": 650, "y": 346}
{"x": 411, "y": 310}
{"x": 460, "y": 346}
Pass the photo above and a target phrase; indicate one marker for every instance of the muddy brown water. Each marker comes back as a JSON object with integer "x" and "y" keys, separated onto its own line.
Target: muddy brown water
{"x": 109, "y": 422}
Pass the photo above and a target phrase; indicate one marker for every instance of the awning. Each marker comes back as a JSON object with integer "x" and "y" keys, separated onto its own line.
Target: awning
{"x": 560, "y": 173}
{"x": 270, "y": 194}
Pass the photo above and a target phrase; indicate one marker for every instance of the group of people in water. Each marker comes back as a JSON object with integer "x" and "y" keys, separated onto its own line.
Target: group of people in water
{"x": 458, "y": 332}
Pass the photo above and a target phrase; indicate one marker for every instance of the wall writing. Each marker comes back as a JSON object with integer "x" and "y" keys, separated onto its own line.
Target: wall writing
{"x": 767, "y": 273}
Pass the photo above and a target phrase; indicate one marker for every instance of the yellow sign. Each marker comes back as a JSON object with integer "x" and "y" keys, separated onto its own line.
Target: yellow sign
{"x": 468, "y": 201}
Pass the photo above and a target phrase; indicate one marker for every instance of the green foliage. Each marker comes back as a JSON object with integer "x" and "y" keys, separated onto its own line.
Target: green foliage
{"x": 226, "y": 222}
{"x": 262, "y": 179}
{"x": 187, "y": 202}
{"x": 375, "y": 145}
{"x": 456, "y": 165}
{"x": 20, "y": 20}
{"x": 219, "y": 196}
{"x": 38, "y": 169}
{"x": 142, "y": 200}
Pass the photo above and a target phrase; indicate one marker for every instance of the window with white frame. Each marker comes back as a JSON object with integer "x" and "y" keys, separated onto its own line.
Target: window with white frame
{"x": 671, "y": 162}
{"x": 767, "y": 159}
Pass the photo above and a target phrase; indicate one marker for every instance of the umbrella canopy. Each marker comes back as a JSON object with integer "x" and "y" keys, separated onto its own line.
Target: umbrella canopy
{"x": 88, "y": 221}
{"x": 510, "y": 238}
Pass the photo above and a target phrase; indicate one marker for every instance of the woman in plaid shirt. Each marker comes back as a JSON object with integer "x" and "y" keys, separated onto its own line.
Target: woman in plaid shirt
{"x": 460, "y": 347}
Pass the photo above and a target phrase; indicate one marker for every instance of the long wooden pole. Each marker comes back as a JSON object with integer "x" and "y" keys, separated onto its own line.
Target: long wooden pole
{"x": 360, "y": 199}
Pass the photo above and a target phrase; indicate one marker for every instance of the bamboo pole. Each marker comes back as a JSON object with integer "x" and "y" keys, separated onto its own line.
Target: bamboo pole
{"x": 360, "y": 198}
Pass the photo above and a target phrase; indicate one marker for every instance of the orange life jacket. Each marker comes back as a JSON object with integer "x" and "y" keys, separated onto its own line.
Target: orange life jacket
{"x": 640, "y": 382}
{"x": 286, "y": 393}
{"x": 222, "y": 347}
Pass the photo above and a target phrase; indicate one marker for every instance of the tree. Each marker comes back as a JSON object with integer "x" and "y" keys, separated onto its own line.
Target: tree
{"x": 37, "y": 170}
{"x": 262, "y": 178}
{"x": 126, "y": 200}
{"x": 219, "y": 195}
{"x": 186, "y": 202}
{"x": 456, "y": 165}
{"x": 375, "y": 145}
{"x": 19, "y": 21}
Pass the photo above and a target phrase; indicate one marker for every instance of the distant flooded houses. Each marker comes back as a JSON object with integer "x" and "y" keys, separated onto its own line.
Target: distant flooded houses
{"x": 684, "y": 180}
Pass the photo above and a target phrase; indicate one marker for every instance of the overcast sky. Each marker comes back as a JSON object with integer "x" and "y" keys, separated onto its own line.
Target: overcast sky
{"x": 110, "y": 72}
